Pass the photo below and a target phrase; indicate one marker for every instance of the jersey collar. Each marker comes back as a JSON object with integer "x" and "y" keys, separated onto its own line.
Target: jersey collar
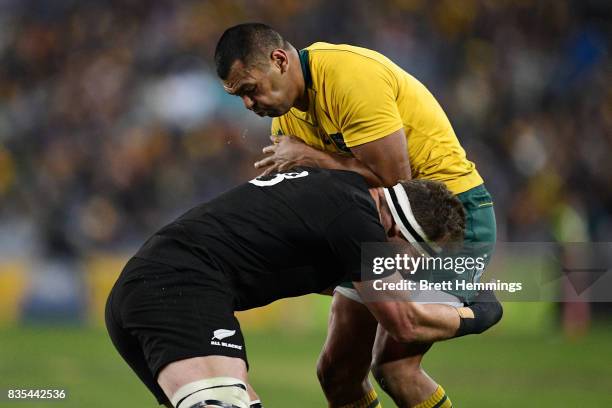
{"x": 305, "y": 68}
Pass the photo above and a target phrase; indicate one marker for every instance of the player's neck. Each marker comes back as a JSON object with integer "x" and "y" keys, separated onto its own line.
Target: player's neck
{"x": 302, "y": 101}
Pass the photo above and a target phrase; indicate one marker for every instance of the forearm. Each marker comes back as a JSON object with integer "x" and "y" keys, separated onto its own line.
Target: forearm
{"x": 432, "y": 322}
{"x": 435, "y": 322}
{"x": 318, "y": 158}
{"x": 408, "y": 321}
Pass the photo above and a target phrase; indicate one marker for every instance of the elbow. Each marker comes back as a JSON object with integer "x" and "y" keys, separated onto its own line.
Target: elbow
{"x": 387, "y": 183}
{"x": 389, "y": 180}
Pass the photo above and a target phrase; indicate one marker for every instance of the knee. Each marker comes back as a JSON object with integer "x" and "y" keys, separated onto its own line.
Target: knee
{"x": 394, "y": 376}
{"x": 329, "y": 374}
{"x": 346, "y": 356}
{"x": 334, "y": 375}
{"x": 380, "y": 372}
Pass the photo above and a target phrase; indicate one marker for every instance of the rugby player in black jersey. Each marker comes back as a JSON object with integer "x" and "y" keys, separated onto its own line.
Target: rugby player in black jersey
{"x": 171, "y": 312}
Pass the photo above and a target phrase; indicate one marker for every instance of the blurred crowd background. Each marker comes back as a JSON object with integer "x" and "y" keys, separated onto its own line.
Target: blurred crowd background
{"x": 112, "y": 120}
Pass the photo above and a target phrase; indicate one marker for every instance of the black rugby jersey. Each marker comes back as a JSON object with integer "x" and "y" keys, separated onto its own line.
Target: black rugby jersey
{"x": 279, "y": 236}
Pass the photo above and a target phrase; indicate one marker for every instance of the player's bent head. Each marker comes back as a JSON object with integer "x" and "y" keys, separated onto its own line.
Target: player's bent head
{"x": 258, "y": 65}
{"x": 439, "y": 212}
{"x": 249, "y": 43}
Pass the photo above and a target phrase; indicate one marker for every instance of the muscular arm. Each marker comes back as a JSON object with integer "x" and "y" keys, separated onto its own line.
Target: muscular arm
{"x": 317, "y": 158}
{"x": 386, "y": 157}
{"x": 408, "y": 321}
{"x": 382, "y": 162}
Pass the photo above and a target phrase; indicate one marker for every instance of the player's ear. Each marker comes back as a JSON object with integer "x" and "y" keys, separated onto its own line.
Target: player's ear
{"x": 280, "y": 59}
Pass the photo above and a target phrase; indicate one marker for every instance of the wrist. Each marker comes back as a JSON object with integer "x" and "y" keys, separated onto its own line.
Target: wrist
{"x": 312, "y": 157}
{"x": 479, "y": 317}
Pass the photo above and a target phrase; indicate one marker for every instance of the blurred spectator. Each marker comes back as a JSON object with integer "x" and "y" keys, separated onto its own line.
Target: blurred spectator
{"x": 112, "y": 119}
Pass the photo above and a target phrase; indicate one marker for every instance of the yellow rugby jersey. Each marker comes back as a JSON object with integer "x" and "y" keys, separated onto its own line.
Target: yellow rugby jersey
{"x": 357, "y": 95}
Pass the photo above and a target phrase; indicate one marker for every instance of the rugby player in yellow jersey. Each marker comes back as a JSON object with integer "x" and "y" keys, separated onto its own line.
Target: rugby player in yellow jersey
{"x": 345, "y": 107}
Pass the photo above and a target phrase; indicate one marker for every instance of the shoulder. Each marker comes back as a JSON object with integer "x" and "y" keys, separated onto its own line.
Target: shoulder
{"x": 276, "y": 127}
{"x": 344, "y": 58}
{"x": 336, "y": 68}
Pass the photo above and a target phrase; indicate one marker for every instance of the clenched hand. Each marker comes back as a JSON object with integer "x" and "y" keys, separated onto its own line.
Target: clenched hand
{"x": 285, "y": 153}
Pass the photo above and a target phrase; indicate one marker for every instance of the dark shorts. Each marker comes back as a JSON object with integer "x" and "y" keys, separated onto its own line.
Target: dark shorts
{"x": 156, "y": 314}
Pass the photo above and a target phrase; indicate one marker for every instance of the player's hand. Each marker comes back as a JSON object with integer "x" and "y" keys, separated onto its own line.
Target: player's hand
{"x": 480, "y": 315}
{"x": 285, "y": 153}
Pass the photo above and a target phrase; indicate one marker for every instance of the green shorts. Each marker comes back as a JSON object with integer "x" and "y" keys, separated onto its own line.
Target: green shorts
{"x": 478, "y": 241}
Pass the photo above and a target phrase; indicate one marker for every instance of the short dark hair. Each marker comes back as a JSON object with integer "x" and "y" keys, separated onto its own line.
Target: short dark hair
{"x": 247, "y": 43}
{"x": 438, "y": 211}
